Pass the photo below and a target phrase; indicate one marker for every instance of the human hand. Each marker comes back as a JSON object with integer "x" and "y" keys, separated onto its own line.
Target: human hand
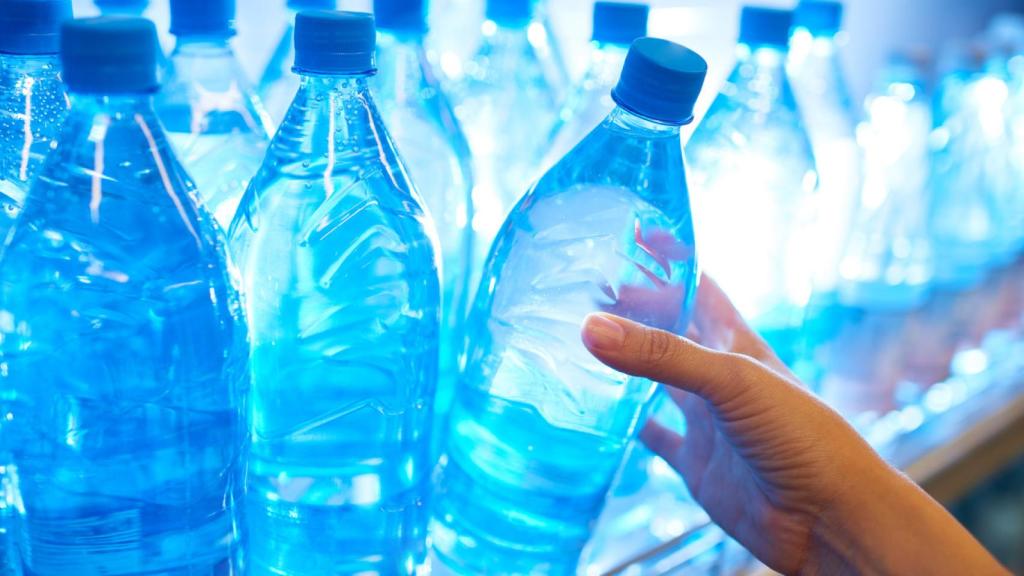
{"x": 771, "y": 464}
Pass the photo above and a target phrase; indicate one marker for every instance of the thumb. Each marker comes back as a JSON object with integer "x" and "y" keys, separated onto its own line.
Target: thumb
{"x": 661, "y": 356}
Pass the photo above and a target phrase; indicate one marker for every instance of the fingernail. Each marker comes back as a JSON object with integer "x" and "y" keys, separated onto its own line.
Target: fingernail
{"x": 603, "y": 333}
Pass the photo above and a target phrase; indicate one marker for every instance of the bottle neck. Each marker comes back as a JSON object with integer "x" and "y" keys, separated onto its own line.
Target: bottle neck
{"x": 636, "y": 126}
{"x": 13, "y": 67}
{"x": 117, "y": 106}
{"x": 760, "y": 74}
{"x": 202, "y": 47}
{"x": 403, "y": 68}
{"x": 605, "y": 66}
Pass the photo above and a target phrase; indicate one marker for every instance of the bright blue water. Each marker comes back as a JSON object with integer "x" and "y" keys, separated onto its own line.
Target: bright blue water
{"x": 973, "y": 178}
{"x": 588, "y": 103}
{"x": 430, "y": 141}
{"x": 128, "y": 355}
{"x": 756, "y": 198}
{"x": 278, "y": 84}
{"x": 507, "y": 106}
{"x": 215, "y": 122}
{"x": 339, "y": 266}
{"x": 887, "y": 264}
{"x": 539, "y": 427}
{"x": 32, "y": 109}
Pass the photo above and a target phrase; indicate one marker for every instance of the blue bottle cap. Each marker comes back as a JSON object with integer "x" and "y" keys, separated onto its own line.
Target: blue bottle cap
{"x": 334, "y": 43}
{"x": 312, "y": 4}
{"x": 760, "y": 26}
{"x": 819, "y": 17}
{"x": 510, "y": 13}
{"x": 400, "y": 15}
{"x": 661, "y": 81}
{"x": 109, "y": 55}
{"x": 32, "y": 26}
{"x": 121, "y": 6}
{"x": 210, "y": 18}
{"x": 619, "y": 22}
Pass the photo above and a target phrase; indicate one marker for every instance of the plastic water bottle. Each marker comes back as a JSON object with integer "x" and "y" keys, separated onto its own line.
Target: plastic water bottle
{"x": 124, "y": 337}
{"x": 972, "y": 172}
{"x": 278, "y": 85}
{"x": 507, "y": 105}
{"x": 1005, "y": 42}
{"x": 422, "y": 122}
{"x": 616, "y": 25}
{"x": 539, "y": 427}
{"x": 341, "y": 276}
{"x": 756, "y": 187}
{"x": 214, "y": 120}
{"x": 32, "y": 109}
{"x": 32, "y": 98}
{"x": 887, "y": 264}
{"x": 827, "y": 110}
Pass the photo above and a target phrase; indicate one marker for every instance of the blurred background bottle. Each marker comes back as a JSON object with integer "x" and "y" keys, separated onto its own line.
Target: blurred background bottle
{"x": 121, "y": 7}
{"x": 278, "y": 84}
{"x": 972, "y": 170}
{"x": 506, "y": 103}
{"x": 340, "y": 270}
{"x": 421, "y": 120}
{"x": 32, "y": 109}
{"x": 539, "y": 427}
{"x": 213, "y": 118}
{"x": 827, "y": 111}
{"x": 616, "y": 25}
{"x": 128, "y": 448}
{"x": 756, "y": 187}
{"x": 887, "y": 263}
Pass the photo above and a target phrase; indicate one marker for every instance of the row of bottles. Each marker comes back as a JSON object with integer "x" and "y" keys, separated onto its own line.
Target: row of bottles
{"x": 284, "y": 425}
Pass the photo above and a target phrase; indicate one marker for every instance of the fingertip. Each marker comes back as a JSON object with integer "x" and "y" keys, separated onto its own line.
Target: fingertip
{"x": 603, "y": 332}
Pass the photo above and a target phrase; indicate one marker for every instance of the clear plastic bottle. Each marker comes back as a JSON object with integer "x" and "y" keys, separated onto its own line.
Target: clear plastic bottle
{"x": 972, "y": 171}
{"x": 755, "y": 186}
{"x": 1004, "y": 40}
{"x": 32, "y": 109}
{"x": 827, "y": 111}
{"x": 213, "y": 118}
{"x": 507, "y": 105}
{"x": 341, "y": 273}
{"x": 128, "y": 449}
{"x": 616, "y": 25}
{"x": 539, "y": 427}
{"x": 887, "y": 264}
{"x": 421, "y": 120}
{"x": 278, "y": 85}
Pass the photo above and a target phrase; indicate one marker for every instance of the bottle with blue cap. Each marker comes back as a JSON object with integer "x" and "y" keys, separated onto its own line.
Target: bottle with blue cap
{"x": 887, "y": 263}
{"x": 215, "y": 121}
{"x": 755, "y": 186}
{"x": 539, "y": 427}
{"x": 615, "y": 26}
{"x": 278, "y": 84}
{"x": 33, "y": 104}
{"x": 339, "y": 261}
{"x": 507, "y": 103}
{"x": 973, "y": 170}
{"x": 416, "y": 110}
{"x": 130, "y": 444}
{"x": 827, "y": 110}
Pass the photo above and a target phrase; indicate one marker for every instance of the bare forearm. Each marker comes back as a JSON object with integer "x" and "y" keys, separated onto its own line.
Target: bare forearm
{"x": 894, "y": 527}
